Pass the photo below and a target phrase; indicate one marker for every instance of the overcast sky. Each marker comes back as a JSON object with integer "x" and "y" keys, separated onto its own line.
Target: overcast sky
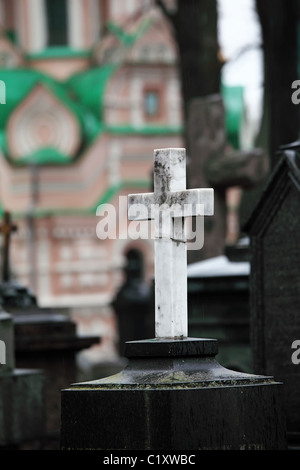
{"x": 239, "y": 28}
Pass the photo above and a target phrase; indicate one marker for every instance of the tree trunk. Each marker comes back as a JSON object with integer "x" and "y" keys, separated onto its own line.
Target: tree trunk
{"x": 279, "y": 22}
{"x": 195, "y": 31}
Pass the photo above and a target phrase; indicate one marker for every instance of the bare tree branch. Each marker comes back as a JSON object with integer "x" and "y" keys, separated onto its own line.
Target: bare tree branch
{"x": 163, "y": 7}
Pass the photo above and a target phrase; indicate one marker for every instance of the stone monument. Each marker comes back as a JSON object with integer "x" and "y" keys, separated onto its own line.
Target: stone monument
{"x": 214, "y": 163}
{"x": 43, "y": 339}
{"x": 274, "y": 228}
{"x": 22, "y": 395}
{"x": 132, "y": 305}
{"x": 173, "y": 394}
{"x": 6, "y": 229}
{"x": 218, "y": 303}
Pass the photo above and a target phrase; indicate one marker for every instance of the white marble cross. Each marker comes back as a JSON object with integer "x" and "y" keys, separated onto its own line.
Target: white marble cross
{"x": 170, "y": 203}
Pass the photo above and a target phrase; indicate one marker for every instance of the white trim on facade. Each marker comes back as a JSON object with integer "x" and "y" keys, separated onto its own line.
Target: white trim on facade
{"x": 95, "y": 22}
{"x": 137, "y": 118}
{"x": 75, "y": 301}
{"x": 75, "y": 24}
{"x": 38, "y": 27}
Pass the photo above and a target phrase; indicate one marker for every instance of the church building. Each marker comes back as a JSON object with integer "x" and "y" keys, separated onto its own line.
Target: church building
{"x": 89, "y": 89}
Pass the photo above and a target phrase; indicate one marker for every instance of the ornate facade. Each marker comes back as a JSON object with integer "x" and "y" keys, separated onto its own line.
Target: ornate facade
{"x": 92, "y": 88}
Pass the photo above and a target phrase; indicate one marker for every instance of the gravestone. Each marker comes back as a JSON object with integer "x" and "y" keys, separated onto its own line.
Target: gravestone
{"x": 6, "y": 229}
{"x": 43, "y": 339}
{"x": 218, "y": 304}
{"x": 22, "y": 396}
{"x": 173, "y": 394}
{"x": 214, "y": 163}
{"x": 274, "y": 228}
{"x": 132, "y": 304}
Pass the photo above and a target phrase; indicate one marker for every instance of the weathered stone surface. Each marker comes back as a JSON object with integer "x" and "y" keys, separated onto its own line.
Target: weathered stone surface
{"x": 7, "y": 337}
{"x": 218, "y": 304}
{"x": 214, "y": 164}
{"x": 181, "y": 399}
{"x": 237, "y": 167}
{"x": 22, "y": 395}
{"x": 47, "y": 341}
{"x": 22, "y": 407}
{"x": 173, "y": 203}
{"x": 173, "y": 394}
{"x": 274, "y": 228}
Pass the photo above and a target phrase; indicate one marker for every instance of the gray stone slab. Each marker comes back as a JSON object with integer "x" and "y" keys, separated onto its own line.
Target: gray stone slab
{"x": 22, "y": 407}
{"x": 274, "y": 228}
{"x": 7, "y": 343}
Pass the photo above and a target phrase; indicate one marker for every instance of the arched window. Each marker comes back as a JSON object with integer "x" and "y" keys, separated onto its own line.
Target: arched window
{"x": 151, "y": 103}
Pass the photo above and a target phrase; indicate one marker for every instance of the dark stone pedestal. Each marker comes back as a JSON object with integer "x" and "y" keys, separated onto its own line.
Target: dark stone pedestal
{"x": 22, "y": 409}
{"x": 133, "y": 307}
{"x": 174, "y": 395}
{"x": 48, "y": 341}
{"x": 274, "y": 228}
{"x": 218, "y": 305}
{"x": 22, "y": 397}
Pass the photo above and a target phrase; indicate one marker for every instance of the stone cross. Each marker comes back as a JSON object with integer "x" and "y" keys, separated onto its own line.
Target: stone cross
{"x": 168, "y": 205}
{"x": 6, "y": 229}
{"x": 214, "y": 163}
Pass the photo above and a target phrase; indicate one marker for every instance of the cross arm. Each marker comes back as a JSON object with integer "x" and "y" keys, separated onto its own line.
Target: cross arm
{"x": 191, "y": 202}
{"x": 140, "y": 206}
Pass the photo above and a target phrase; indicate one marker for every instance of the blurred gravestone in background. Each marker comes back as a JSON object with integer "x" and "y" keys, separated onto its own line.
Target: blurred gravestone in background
{"x": 214, "y": 163}
{"x": 22, "y": 396}
{"x": 133, "y": 303}
{"x": 218, "y": 302}
{"x": 44, "y": 339}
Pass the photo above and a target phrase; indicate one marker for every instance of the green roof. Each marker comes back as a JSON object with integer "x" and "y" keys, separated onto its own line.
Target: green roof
{"x": 88, "y": 87}
{"x": 59, "y": 52}
{"x": 150, "y": 129}
{"x": 45, "y": 155}
{"x": 233, "y": 97}
{"x": 20, "y": 82}
{"x": 83, "y": 94}
{"x": 129, "y": 38}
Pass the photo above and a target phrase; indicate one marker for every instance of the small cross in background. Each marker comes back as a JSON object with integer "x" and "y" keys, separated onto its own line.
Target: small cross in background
{"x": 6, "y": 229}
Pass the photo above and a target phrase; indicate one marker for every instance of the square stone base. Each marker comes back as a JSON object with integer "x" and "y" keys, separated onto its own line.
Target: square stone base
{"x": 245, "y": 417}
{"x": 22, "y": 407}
